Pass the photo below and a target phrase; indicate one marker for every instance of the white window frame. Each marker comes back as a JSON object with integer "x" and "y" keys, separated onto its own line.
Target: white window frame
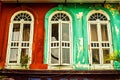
{"x": 19, "y": 47}
{"x": 60, "y": 42}
{"x": 100, "y": 48}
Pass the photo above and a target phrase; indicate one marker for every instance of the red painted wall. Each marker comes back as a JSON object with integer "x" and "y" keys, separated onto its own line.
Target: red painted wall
{"x": 39, "y": 11}
{"x": 1, "y": 63}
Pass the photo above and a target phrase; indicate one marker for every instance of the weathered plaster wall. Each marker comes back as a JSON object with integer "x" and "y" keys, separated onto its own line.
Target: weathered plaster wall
{"x": 1, "y": 37}
{"x": 41, "y": 13}
{"x": 80, "y": 34}
{"x": 38, "y": 11}
{"x": 115, "y": 26}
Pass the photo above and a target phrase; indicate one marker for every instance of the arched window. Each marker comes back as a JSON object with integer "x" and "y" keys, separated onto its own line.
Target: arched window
{"x": 20, "y": 38}
{"x": 97, "y": 16}
{"x": 60, "y": 39}
{"x": 99, "y": 39}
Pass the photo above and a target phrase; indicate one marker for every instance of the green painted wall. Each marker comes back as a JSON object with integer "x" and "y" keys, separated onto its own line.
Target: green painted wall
{"x": 79, "y": 28}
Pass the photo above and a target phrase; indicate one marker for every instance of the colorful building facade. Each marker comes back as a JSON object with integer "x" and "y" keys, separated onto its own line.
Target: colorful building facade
{"x": 59, "y": 36}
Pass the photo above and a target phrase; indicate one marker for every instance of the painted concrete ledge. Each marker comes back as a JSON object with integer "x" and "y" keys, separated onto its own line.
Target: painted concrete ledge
{"x": 49, "y": 72}
{"x": 58, "y": 74}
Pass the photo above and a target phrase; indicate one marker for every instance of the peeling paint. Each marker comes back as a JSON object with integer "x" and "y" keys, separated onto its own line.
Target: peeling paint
{"x": 117, "y": 30}
{"x": 83, "y": 60}
{"x": 78, "y": 64}
{"x": 80, "y": 47}
{"x": 79, "y": 15}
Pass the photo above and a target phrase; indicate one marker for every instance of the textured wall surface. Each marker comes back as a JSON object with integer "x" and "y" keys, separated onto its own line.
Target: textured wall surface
{"x": 79, "y": 13}
{"x": 41, "y": 13}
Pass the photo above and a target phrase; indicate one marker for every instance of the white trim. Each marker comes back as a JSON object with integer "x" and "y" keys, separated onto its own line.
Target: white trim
{"x": 18, "y": 12}
{"x": 97, "y": 11}
{"x": 19, "y": 47}
{"x": 60, "y": 28}
{"x": 100, "y": 48}
{"x": 60, "y": 12}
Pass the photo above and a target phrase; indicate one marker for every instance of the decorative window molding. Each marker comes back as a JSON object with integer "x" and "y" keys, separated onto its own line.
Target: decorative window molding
{"x": 99, "y": 40}
{"x": 60, "y": 16}
{"x": 97, "y": 16}
{"x": 24, "y": 16}
{"x": 60, "y": 48}
{"x": 79, "y": 15}
{"x": 20, "y": 38}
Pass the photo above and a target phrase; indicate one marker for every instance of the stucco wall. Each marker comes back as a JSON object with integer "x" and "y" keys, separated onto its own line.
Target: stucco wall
{"x": 79, "y": 13}
{"x": 41, "y": 13}
{"x": 38, "y": 11}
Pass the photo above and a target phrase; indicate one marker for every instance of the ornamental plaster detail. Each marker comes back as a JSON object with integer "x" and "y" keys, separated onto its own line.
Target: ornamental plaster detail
{"x": 79, "y": 15}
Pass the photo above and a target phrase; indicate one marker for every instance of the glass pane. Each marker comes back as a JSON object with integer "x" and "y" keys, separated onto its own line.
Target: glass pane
{"x": 16, "y": 32}
{"x": 54, "y": 56}
{"x": 13, "y": 55}
{"x": 24, "y": 54}
{"x": 65, "y": 32}
{"x": 104, "y": 32}
{"x": 26, "y": 32}
{"x": 66, "y": 55}
{"x": 94, "y": 34}
{"x": 95, "y": 56}
{"x": 64, "y": 17}
{"x": 97, "y": 16}
{"x": 105, "y": 56}
{"x": 55, "y": 32}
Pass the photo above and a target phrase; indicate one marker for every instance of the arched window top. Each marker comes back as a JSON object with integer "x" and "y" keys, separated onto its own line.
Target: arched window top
{"x": 21, "y": 34}
{"x": 98, "y": 15}
{"x": 60, "y": 16}
{"x": 22, "y": 15}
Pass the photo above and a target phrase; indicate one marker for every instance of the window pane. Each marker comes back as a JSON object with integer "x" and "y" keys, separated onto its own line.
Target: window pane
{"x": 54, "y": 56}
{"x": 65, "y": 32}
{"x": 97, "y": 16}
{"x": 94, "y": 34}
{"x": 104, "y": 32}
{"x": 55, "y": 32}
{"x": 26, "y": 32}
{"x": 60, "y": 16}
{"x": 105, "y": 55}
{"x": 95, "y": 56}
{"x": 13, "y": 55}
{"x": 16, "y": 32}
{"x": 66, "y": 55}
{"x": 24, "y": 53}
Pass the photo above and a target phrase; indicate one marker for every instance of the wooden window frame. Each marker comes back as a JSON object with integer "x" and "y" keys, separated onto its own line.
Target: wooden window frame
{"x": 52, "y": 21}
{"x": 99, "y": 42}
{"x": 21, "y": 44}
